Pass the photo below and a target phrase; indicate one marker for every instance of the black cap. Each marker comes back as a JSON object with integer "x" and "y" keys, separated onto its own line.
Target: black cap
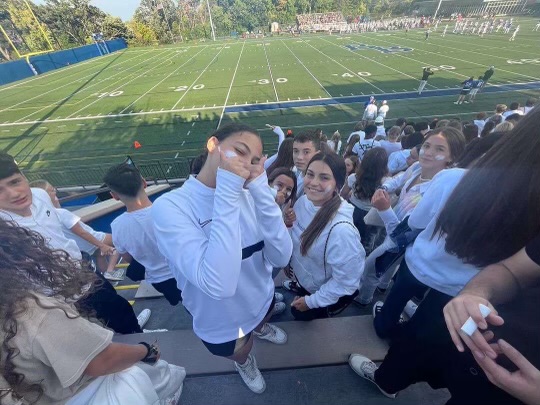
{"x": 8, "y": 166}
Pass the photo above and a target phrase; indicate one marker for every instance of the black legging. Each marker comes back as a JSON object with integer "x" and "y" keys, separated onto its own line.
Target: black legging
{"x": 324, "y": 312}
{"x": 110, "y": 308}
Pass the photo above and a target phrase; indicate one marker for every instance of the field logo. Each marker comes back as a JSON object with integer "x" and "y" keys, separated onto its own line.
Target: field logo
{"x": 383, "y": 49}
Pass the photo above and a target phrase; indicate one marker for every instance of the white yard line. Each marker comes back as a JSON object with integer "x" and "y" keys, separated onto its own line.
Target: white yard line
{"x": 446, "y": 39}
{"x": 374, "y": 61}
{"x": 467, "y": 61}
{"x": 86, "y": 88}
{"x": 122, "y": 85}
{"x": 230, "y": 86}
{"x": 198, "y": 77}
{"x": 344, "y": 67}
{"x": 270, "y": 70}
{"x": 161, "y": 81}
{"x": 423, "y": 63}
{"x": 144, "y": 113}
{"x": 309, "y": 71}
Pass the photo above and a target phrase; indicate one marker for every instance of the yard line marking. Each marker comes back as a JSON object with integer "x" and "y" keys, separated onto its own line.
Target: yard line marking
{"x": 177, "y": 153}
{"x": 374, "y": 61}
{"x": 124, "y": 84}
{"x": 345, "y": 67}
{"x": 198, "y": 77}
{"x": 161, "y": 81}
{"x": 474, "y": 63}
{"x": 446, "y": 39}
{"x": 270, "y": 70}
{"x": 86, "y": 88}
{"x": 188, "y": 132}
{"x": 305, "y": 67}
{"x": 230, "y": 86}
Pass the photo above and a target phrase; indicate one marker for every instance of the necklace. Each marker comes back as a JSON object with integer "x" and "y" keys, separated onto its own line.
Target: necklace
{"x": 422, "y": 179}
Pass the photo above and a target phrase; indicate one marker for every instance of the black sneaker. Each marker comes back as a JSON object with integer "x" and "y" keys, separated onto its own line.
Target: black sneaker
{"x": 291, "y": 285}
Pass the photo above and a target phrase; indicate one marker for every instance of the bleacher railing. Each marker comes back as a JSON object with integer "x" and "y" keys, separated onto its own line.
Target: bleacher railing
{"x": 152, "y": 171}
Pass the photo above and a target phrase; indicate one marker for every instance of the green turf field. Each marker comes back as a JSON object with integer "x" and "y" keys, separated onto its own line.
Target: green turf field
{"x": 170, "y": 98}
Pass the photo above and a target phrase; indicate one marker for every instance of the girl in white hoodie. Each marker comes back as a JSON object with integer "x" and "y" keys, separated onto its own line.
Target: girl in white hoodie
{"x": 328, "y": 257}
{"x": 222, "y": 233}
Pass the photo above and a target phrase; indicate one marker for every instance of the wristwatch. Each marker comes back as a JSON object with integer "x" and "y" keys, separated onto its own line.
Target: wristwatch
{"x": 152, "y": 354}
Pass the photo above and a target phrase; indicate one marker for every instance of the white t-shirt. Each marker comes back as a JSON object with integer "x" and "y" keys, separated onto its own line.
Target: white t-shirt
{"x": 380, "y": 131}
{"x": 370, "y": 112}
{"x": 383, "y": 110}
{"x": 222, "y": 245}
{"x": 331, "y": 144}
{"x": 390, "y": 147}
{"x": 46, "y": 221}
{"x": 362, "y": 135}
{"x": 397, "y": 161}
{"x": 361, "y": 204}
{"x": 480, "y": 124}
{"x": 510, "y": 112}
{"x": 363, "y": 146}
{"x": 68, "y": 217}
{"x": 133, "y": 233}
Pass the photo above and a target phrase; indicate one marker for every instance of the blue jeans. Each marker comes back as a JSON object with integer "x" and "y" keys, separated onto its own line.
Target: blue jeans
{"x": 405, "y": 287}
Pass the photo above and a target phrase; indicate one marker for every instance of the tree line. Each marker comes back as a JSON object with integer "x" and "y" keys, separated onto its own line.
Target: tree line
{"x": 70, "y": 23}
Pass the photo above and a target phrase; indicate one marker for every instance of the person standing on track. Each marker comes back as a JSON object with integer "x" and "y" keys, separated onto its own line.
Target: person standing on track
{"x": 425, "y": 76}
{"x": 487, "y": 75}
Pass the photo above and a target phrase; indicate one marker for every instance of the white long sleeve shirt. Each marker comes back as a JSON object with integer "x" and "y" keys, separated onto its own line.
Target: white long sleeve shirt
{"x": 344, "y": 256}
{"x": 281, "y": 137}
{"x": 427, "y": 258}
{"x": 221, "y": 245}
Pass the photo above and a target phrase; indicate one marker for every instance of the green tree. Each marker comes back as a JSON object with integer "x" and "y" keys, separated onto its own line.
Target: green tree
{"x": 114, "y": 27}
{"x": 140, "y": 33}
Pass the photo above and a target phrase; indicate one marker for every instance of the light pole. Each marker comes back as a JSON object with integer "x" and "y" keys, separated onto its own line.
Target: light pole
{"x": 211, "y": 22}
{"x": 436, "y": 11}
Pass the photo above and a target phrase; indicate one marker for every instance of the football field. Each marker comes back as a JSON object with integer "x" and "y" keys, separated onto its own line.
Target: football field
{"x": 170, "y": 98}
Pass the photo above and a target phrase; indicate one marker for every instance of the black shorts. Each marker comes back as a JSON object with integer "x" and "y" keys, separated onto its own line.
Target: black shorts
{"x": 170, "y": 290}
{"x": 464, "y": 92}
{"x": 227, "y": 349}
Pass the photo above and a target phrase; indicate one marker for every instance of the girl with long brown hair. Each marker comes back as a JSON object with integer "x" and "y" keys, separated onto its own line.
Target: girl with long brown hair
{"x": 50, "y": 352}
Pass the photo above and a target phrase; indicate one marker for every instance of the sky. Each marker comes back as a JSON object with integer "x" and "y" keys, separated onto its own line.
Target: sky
{"x": 118, "y": 8}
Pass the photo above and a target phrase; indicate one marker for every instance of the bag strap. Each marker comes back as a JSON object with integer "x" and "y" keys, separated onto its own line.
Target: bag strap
{"x": 328, "y": 238}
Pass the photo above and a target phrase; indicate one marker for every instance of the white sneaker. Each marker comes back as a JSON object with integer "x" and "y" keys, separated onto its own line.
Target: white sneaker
{"x": 114, "y": 275}
{"x": 410, "y": 309}
{"x": 272, "y": 333}
{"x": 251, "y": 375}
{"x": 143, "y": 317}
{"x": 365, "y": 368}
{"x": 154, "y": 330}
{"x": 278, "y": 297}
{"x": 279, "y": 308}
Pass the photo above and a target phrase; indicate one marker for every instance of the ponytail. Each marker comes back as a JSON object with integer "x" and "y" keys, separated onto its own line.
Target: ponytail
{"x": 323, "y": 217}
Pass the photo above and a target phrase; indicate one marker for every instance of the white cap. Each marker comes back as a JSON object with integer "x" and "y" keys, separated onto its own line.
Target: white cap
{"x": 384, "y": 101}
{"x": 379, "y": 120}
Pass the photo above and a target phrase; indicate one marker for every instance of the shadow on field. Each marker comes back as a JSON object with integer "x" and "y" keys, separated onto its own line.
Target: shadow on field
{"x": 29, "y": 148}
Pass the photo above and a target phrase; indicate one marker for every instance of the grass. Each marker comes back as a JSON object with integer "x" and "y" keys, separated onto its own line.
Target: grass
{"x": 87, "y": 116}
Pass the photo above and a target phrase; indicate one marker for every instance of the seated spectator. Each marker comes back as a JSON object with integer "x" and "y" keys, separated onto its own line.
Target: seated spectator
{"x": 381, "y": 131}
{"x": 402, "y": 123}
{"x": 514, "y": 118}
{"x": 32, "y": 208}
{"x": 51, "y": 352}
{"x": 283, "y": 158}
{"x": 441, "y": 148}
{"x": 456, "y": 245}
{"x": 99, "y": 238}
{"x": 358, "y": 130}
{"x": 434, "y": 123}
{"x": 392, "y": 145}
{"x": 480, "y": 121}
{"x": 327, "y": 258}
{"x": 351, "y": 163}
{"x": 353, "y": 140}
{"x": 335, "y": 142}
{"x": 470, "y": 131}
{"x": 283, "y": 184}
{"x": 362, "y": 185}
{"x": 488, "y": 128}
{"x": 401, "y": 160}
{"x": 133, "y": 231}
{"x": 408, "y": 130}
{"x": 529, "y": 105}
{"x": 422, "y": 127}
{"x": 456, "y": 123}
{"x": 305, "y": 146}
{"x": 504, "y": 127}
{"x": 228, "y": 212}
{"x": 498, "y": 116}
{"x": 442, "y": 123}
{"x": 515, "y": 108}
{"x": 368, "y": 143}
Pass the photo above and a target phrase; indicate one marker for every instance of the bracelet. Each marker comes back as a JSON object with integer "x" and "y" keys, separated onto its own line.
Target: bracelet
{"x": 152, "y": 352}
